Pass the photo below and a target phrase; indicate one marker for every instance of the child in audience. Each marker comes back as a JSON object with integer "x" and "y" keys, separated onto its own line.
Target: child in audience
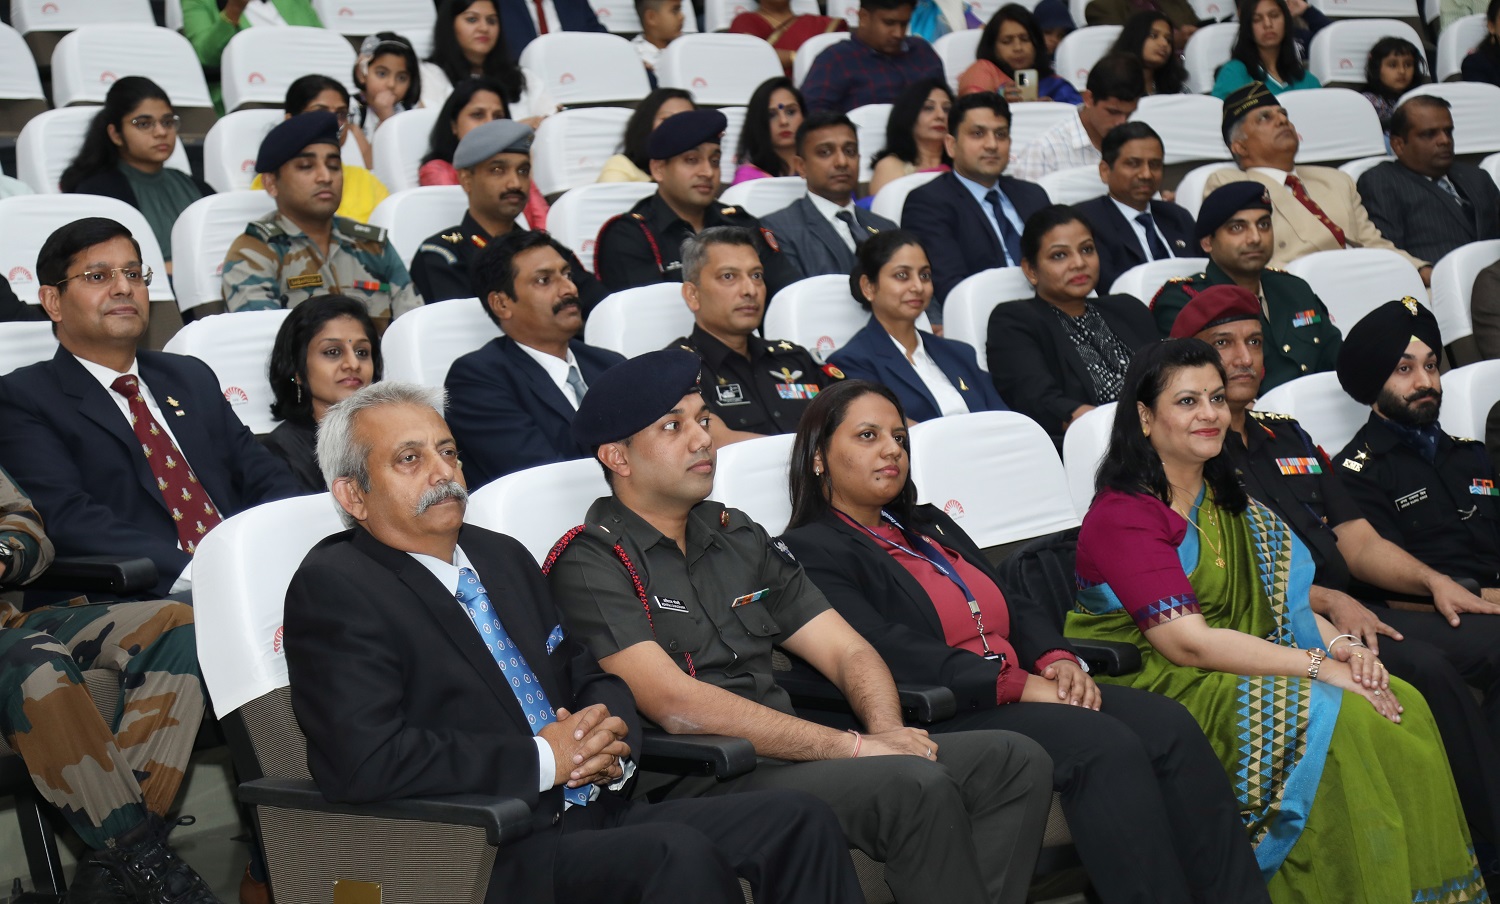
{"x": 768, "y": 142}
{"x": 661, "y": 24}
{"x": 389, "y": 81}
{"x": 1393, "y": 68}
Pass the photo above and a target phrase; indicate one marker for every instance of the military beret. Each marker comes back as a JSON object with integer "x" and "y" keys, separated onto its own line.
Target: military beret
{"x": 628, "y": 397}
{"x": 1242, "y": 101}
{"x": 1374, "y": 345}
{"x": 1213, "y": 306}
{"x": 494, "y": 137}
{"x": 291, "y": 136}
{"x": 1226, "y": 201}
{"x": 682, "y": 132}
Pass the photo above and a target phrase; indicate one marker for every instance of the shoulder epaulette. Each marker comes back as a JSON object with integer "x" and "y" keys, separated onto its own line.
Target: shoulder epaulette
{"x": 453, "y": 238}
{"x": 1276, "y": 269}
{"x": 265, "y": 228}
{"x": 363, "y": 232}
{"x": 728, "y": 211}
{"x": 1358, "y": 461}
{"x": 1269, "y": 415}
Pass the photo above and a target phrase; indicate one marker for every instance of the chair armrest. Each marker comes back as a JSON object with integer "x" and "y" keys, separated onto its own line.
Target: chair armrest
{"x": 718, "y": 755}
{"x": 1112, "y": 657}
{"x": 923, "y": 704}
{"x": 117, "y": 575}
{"x": 502, "y": 818}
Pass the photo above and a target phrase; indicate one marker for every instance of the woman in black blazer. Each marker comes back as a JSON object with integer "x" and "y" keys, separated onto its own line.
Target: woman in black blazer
{"x": 1062, "y": 353}
{"x": 1150, "y": 808}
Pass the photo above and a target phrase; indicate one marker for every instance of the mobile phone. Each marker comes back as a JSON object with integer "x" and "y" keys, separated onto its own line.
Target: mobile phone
{"x": 1026, "y": 81}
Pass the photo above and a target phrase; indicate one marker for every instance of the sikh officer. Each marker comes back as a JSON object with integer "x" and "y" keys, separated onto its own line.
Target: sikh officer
{"x": 301, "y": 249}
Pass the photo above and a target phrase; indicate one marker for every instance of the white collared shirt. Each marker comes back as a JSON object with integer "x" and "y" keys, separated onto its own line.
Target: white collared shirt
{"x": 1063, "y": 146}
{"x": 1272, "y": 172}
{"x": 1130, "y": 214}
{"x": 949, "y": 400}
{"x": 830, "y": 212}
{"x": 557, "y": 369}
{"x": 649, "y": 52}
{"x": 979, "y": 192}
{"x": 554, "y": 24}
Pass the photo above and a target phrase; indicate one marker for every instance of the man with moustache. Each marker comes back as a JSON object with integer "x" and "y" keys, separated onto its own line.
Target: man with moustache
{"x": 511, "y": 402}
{"x": 426, "y": 658}
{"x": 493, "y": 163}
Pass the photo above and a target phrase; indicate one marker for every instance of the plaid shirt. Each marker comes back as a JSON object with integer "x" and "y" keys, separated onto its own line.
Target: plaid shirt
{"x": 850, "y": 74}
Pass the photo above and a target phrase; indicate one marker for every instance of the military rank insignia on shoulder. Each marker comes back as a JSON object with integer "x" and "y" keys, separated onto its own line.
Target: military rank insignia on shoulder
{"x": 453, "y": 238}
{"x": 439, "y": 250}
{"x": 783, "y": 551}
{"x": 364, "y": 231}
{"x": 1358, "y": 462}
{"x": 833, "y": 372}
{"x": 770, "y": 238}
{"x": 1268, "y": 415}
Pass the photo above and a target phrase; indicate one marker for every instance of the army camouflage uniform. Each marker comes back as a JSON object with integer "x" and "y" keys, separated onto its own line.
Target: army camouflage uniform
{"x": 275, "y": 265}
{"x": 104, "y": 774}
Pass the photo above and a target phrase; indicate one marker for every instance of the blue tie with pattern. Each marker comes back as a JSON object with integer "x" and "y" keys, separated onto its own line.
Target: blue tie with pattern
{"x": 518, "y": 674}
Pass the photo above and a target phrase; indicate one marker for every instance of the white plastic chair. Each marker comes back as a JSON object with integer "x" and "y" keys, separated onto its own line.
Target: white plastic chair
{"x": 719, "y": 69}
{"x": 579, "y": 67}
{"x": 577, "y": 216}
{"x": 259, "y": 64}
{"x": 201, "y": 238}
{"x": 571, "y": 147}
{"x": 1187, "y": 123}
{"x": 1453, "y": 286}
{"x": 1325, "y": 411}
{"x": 869, "y": 127}
{"x": 1029, "y": 121}
{"x": 49, "y": 142}
{"x": 718, "y": 14}
{"x": 1080, "y": 50}
{"x": 752, "y": 476}
{"x": 1469, "y": 392}
{"x": 957, "y": 50}
{"x": 25, "y": 342}
{"x": 29, "y": 16}
{"x": 966, "y": 312}
{"x": 399, "y": 146}
{"x": 1072, "y": 185}
{"x": 538, "y": 505}
{"x": 819, "y": 314}
{"x": 87, "y": 61}
{"x": 639, "y": 320}
{"x": 422, "y": 344}
{"x": 1143, "y": 281}
{"x": 411, "y": 215}
{"x": 811, "y": 48}
{"x": 1352, "y": 282}
{"x": 763, "y": 196}
{"x": 19, "y": 79}
{"x": 357, "y": 18}
{"x": 1333, "y": 123}
{"x": 237, "y": 347}
{"x": 994, "y": 472}
{"x": 27, "y": 220}
{"x": 231, "y": 145}
{"x": 1207, "y": 50}
{"x": 1456, "y": 41}
{"x": 1190, "y": 188}
{"x": 1084, "y": 446}
{"x": 1357, "y": 168}
{"x": 1338, "y": 51}
{"x": 735, "y": 124}
{"x": 1369, "y": 9}
{"x": 1476, "y": 128}
{"x": 891, "y": 199}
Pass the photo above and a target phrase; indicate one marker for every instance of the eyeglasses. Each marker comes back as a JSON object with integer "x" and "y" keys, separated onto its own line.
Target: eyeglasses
{"x": 149, "y": 123}
{"x": 341, "y": 115}
{"x": 133, "y": 275}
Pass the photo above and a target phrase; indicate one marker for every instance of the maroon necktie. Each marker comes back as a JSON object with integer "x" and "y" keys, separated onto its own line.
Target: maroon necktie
{"x": 1300, "y": 193}
{"x": 186, "y": 499}
{"x": 541, "y": 18}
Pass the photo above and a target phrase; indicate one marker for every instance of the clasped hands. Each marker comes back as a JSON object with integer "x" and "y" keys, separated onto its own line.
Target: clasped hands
{"x": 588, "y": 746}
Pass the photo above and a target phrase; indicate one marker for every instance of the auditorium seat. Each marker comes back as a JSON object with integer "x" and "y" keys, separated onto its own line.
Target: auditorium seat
{"x": 1338, "y": 51}
{"x": 230, "y": 147}
{"x": 538, "y": 505}
{"x": 411, "y": 215}
{"x": 1361, "y": 165}
{"x": 1190, "y": 187}
{"x": 1469, "y": 392}
{"x": 891, "y": 199}
{"x": 258, "y": 65}
{"x": 27, "y": 220}
{"x": 1081, "y": 49}
{"x": 1335, "y": 124}
{"x": 1187, "y": 123}
{"x": 1352, "y": 282}
{"x": 639, "y": 320}
{"x": 25, "y": 342}
{"x": 88, "y": 60}
{"x": 1073, "y": 184}
{"x": 1084, "y": 446}
{"x": 765, "y": 196}
{"x": 1029, "y": 121}
{"x": 1456, "y": 41}
{"x": 957, "y": 50}
{"x": 237, "y": 347}
{"x": 44, "y": 22}
{"x": 1491, "y": 165}
{"x": 819, "y": 314}
{"x": 49, "y": 143}
{"x": 571, "y": 147}
{"x": 1320, "y": 404}
{"x": 1453, "y": 286}
{"x": 201, "y": 238}
{"x": 869, "y": 125}
{"x": 1143, "y": 281}
{"x": 582, "y": 68}
{"x": 1207, "y": 50}
{"x": 21, "y": 94}
{"x": 719, "y": 69}
{"x": 1476, "y": 127}
{"x": 966, "y": 313}
{"x": 399, "y": 146}
{"x": 421, "y": 345}
{"x": 751, "y": 476}
{"x": 814, "y": 45}
{"x": 355, "y": 19}
{"x": 1369, "y": 9}
{"x": 734, "y": 118}
{"x": 577, "y": 216}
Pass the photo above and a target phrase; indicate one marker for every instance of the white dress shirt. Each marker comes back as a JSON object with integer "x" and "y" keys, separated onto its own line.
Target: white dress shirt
{"x": 979, "y": 192}
{"x": 949, "y": 400}
{"x": 1063, "y": 146}
{"x": 557, "y": 369}
{"x": 1130, "y": 214}
{"x": 1278, "y": 174}
{"x": 554, "y": 24}
{"x": 830, "y": 212}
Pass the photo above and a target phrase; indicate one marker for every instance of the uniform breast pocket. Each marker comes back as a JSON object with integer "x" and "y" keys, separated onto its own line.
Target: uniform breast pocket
{"x": 677, "y": 630}
{"x": 756, "y": 619}
{"x": 1421, "y": 511}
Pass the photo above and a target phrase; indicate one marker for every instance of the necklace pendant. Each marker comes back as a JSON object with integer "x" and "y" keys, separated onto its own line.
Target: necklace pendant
{"x": 1219, "y": 562}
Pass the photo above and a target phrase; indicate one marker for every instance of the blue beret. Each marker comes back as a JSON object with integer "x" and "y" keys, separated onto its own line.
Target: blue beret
{"x": 494, "y": 137}
{"x": 682, "y": 132}
{"x": 1373, "y": 346}
{"x": 290, "y": 136}
{"x": 628, "y": 397}
{"x": 1228, "y": 200}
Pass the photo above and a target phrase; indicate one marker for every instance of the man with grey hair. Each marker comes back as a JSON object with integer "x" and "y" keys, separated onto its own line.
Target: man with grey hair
{"x": 755, "y": 386}
{"x": 409, "y": 678}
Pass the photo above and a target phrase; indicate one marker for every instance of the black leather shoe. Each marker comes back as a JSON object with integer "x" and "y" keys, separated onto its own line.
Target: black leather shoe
{"x": 95, "y": 883}
{"x": 149, "y": 871}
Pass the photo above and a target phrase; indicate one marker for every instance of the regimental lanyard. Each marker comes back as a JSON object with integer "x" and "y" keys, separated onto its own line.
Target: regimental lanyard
{"x": 928, "y": 552}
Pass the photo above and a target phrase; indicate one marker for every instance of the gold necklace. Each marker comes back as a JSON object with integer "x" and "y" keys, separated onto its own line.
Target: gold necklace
{"x": 1213, "y": 520}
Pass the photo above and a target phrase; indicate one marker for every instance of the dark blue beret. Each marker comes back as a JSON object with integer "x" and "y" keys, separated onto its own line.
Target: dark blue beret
{"x": 1241, "y": 101}
{"x": 1373, "y": 347}
{"x": 628, "y": 397}
{"x": 682, "y": 132}
{"x": 292, "y": 135}
{"x": 1228, "y": 200}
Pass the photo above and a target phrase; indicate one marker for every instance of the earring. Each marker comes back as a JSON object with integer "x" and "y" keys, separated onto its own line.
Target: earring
{"x": 299, "y": 390}
{"x": 1145, "y": 431}
{"x": 817, "y": 471}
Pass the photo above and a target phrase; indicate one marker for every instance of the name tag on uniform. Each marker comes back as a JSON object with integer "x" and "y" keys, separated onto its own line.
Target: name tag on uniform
{"x": 1483, "y": 488}
{"x": 796, "y": 390}
{"x": 748, "y": 598}
{"x": 313, "y": 281}
{"x": 1411, "y": 499}
{"x": 1299, "y": 466}
{"x": 666, "y": 602}
{"x": 1306, "y": 318}
{"x": 730, "y": 394}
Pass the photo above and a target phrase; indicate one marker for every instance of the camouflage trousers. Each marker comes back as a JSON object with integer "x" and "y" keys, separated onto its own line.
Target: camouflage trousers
{"x": 103, "y": 773}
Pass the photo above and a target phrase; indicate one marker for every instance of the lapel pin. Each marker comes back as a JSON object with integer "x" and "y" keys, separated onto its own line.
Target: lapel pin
{"x": 171, "y": 401}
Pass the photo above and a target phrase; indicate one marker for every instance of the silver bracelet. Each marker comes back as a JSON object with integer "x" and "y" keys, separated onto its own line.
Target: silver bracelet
{"x": 1353, "y": 641}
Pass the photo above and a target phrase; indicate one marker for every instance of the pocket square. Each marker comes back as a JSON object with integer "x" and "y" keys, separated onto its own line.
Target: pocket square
{"x": 554, "y": 639}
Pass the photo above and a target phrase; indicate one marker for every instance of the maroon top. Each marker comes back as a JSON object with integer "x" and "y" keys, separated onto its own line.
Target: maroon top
{"x": 1129, "y": 541}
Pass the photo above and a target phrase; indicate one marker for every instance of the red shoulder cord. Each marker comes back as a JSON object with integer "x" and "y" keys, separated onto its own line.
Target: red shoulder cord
{"x": 635, "y": 579}
{"x": 645, "y": 230}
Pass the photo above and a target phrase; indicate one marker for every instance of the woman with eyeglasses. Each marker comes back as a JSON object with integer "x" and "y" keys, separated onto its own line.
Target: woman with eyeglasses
{"x": 124, "y": 156}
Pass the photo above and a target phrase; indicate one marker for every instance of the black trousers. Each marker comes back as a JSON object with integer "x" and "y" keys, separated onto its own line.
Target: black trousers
{"x": 1150, "y": 807}
{"x": 788, "y": 845}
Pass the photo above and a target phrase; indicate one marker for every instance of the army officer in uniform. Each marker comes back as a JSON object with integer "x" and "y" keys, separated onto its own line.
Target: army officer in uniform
{"x": 644, "y": 246}
{"x": 302, "y": 249}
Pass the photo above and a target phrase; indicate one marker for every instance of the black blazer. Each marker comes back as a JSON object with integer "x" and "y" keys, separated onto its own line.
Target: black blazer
{"x": 576, "y": 15}
{"x": 809, "y": 241}
{"x": 886, "y": 604}
{"x": 399, "y": 697}
{"x": 871, "y": 355}
{"x": 956, "y": 233}
{"x": 1035, "y": 366}
{"x": 71, "y": 449}
{"x": 507, "y": 414}
{"x": 1115, "y": 237}
{"x": 1422, "y": 219}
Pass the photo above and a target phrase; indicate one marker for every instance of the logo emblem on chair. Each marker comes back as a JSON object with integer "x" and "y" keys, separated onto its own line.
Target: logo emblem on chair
{"x": 700, "y": 82}
{"x": 20, "y": 274}
{"x": 236, "y": 396}
{"x": 247, "y": 166}
{"x": 107, "y": 78}
{"x": 255, "y": 78}
{"x": 276, "y": 639}
{"x": 1346, "y": 63}
{"x": 345, "y": 11}
{"x": 953, "y": 509}
{"x": 49, "y": 9}
{"x": 824, "y": 346}
{"x": 565, "y": 79}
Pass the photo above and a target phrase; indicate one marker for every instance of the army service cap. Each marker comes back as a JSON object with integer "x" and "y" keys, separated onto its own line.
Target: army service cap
{"x": 1374, "y": 345}
{"x": 630, "y": 396}
{"x": 291, "y": 136}
{"x": 1226, "y": 201}
{"x": 682, "y": 132}
{"x": 1214, "y": 306}
{"x": 1242, "y": 101}
{"x": 498, "y": 136}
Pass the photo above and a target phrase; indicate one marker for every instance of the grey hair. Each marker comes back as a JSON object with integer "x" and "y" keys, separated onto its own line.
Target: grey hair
{"x": 340, "y": 455}
{"x": 1236, "y": 133}
{"x": 695, "y": 248}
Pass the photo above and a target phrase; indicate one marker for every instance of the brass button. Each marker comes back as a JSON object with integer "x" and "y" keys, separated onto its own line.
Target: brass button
{"x": 1315, "y": 340}
{"x": 672, "y": 644}
{"x": 1304, "y": 368}
{"x": 1286, "y": 348}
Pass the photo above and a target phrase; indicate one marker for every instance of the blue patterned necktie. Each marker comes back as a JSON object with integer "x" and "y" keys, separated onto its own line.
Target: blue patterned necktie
{"x": 1153, "y": 241}
{"x": 518, "y": 674}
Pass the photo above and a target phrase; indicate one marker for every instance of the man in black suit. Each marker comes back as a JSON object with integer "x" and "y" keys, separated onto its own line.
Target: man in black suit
{"x": 820, "y": 233}
{"x": 1129, "y": 227}
{"x": 124, "y": 452}
{"x": 525, "y": 19}
{"x": 1424, "y": 202}
{"x": 971, "y": 218}
{"x": 512, "y": 401}
{"x": 409, "y": 678}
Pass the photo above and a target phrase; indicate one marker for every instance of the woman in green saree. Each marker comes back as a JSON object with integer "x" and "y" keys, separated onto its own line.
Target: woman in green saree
{"x": 1341, "y": 776}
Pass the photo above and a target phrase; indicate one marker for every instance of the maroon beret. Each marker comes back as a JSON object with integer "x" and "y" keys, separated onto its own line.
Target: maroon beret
{"x": 1213, "y": 306}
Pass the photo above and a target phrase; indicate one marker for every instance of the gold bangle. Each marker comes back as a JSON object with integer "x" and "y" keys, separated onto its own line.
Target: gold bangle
{"x": 1316, "y": 663}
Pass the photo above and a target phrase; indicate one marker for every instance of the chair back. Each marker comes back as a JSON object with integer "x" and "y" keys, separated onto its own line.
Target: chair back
{"x": 48, "y": 15}
{"x": 1339, "y": 49}
{"x": 819, "y": 314}
{"x": 1476, "y": 128}
{"x": 639, "y": 320}
{"x": 1352, "y": 282}
{"x": 399, "y": 147}
{"x": 891, "y": 199}
{"x": 765, "y": 196}
{"x": 571, "y": 147}
{"x": 734, "y": 117}
{"x": 966, "y": 313}
{"x": 580, "y": 68}
{"x": 89, "y": 59}
{"x": 230, "y": 147}
{"x": 358, "y": 18}
{"x": 813, "y": 46}
{"x": 237, "y": 347}
{"x": 411, "y": 215}
{"x": 1081, "y": 49}
{"x": 752, "y": 476}
{"x": 24, "y": 342}
{"x": 1334, "y": 123}
{"x": 50, "y": 141}
{"x": 1491, "y": 165}
{"x": 1469, "y": 392}
{"x": 1187, "y": 123}
{"x": 1208, "y": 49}
{"x": 422, "y": 344}
{"x": 719, "y": 69}
{"x": 1190, "y": 189}
{"x": 19, "y": 78}
{"x": 1326, "y": 412}
{"x": 1453, "y": 286}
{"x": 538, "y": 505}
{"x": 577, "y": 216}
{"x": 869, "y": 127}
{"x": 1073, "y": 184}
{"x": 1028, "y": 122}
{"x": 1456, "y": 41}
{"x": 1371, "y": 9}
{"x": 1356, "y": 168}
{"x": 259, "y": 65}
{"x": 719, "y": 14}
{"x": 619, "y": 17}
{"x": 1143, "y": 281}
{"x": 1084, "y": 446}
{"x": 27, "y": 220}
{"x": 201, "y": 237}
{"x": 957, "y": 50}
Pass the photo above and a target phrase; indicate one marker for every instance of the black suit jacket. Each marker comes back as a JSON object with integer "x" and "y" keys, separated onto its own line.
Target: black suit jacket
{"x": 809, "y": 241}
{"x": 1422, "y": 219}
{"x": 1035, "y": 366}
{"x": 507, "y": 414}
{"x": 886, "y": 604}
{"x": 1120, "y": 249}
{"x": 576, "y": 15}
{"x": 72, "y": 450}
{"x": 399, "y": 697}
{"x": 955, "y": 231}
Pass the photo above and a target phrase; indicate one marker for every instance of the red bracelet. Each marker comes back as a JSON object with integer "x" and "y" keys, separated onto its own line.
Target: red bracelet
{"x": 857, "y": 740}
